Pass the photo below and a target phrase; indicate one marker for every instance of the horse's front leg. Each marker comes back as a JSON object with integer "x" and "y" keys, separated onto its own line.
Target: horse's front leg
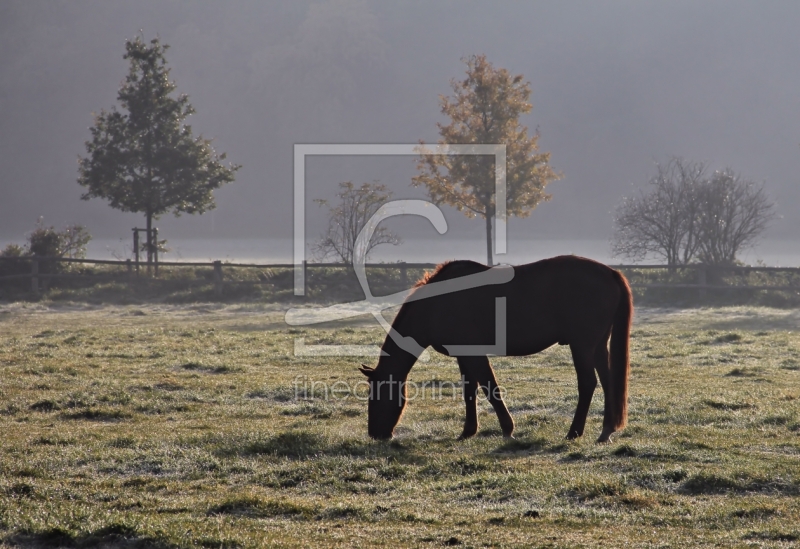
{"x": 470, "y": 388}
{"x": 476, "y": 371}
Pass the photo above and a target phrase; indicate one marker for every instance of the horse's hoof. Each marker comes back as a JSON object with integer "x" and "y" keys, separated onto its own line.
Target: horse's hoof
{"x": 509, "y": 435}
{"x": 604, "y": 437}
{"x": 572, "y": 435}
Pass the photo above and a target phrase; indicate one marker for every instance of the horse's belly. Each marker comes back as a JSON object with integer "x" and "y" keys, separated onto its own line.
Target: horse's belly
{"x": 529, "y": 347}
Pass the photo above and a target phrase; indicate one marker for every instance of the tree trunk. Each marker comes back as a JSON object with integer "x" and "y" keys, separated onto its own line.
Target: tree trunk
{"x": 488, "y": 239}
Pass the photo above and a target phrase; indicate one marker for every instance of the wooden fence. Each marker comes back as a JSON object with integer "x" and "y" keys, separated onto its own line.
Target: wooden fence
{"x": 701, "y": 277}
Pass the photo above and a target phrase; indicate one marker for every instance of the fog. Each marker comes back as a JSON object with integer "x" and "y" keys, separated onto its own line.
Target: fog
{"x": 617, "y": 86}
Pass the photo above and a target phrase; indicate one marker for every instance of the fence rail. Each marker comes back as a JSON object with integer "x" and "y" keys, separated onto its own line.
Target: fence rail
{"x": 36, "y": 273}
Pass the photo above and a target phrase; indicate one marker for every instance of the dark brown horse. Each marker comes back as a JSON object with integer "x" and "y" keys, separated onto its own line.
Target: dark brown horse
{"x": 566, "y": 300}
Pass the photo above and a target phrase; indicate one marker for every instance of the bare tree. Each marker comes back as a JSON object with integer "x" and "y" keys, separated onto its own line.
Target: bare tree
{"x": 691, "y": 216}
{"x": 735, "y": 211}
{"x": 662, "y": 222}
{"x": 356, "y": 206}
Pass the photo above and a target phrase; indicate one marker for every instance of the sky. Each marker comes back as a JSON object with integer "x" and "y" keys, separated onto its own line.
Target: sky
{"x": 616, "y": 88}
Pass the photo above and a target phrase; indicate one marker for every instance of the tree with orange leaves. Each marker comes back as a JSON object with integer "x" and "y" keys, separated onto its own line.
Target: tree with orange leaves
{"x": 485, "y": 109}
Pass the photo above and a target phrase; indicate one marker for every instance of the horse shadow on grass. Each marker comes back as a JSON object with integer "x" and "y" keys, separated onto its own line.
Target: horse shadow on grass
{"x": 302, "y": 445}
{"x": 299, "y": 445}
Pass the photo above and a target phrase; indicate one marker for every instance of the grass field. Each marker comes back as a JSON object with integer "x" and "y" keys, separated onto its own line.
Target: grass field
{"x": 178, "y": 426}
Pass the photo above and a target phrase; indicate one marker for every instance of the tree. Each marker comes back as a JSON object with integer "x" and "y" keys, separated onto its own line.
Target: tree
{"x": 485, "y": 109}
{"x": 691, "y": 215}
{"x": 146, "y": 160}
{"x": 356, "y": 206}
{"x": 664, "y": 221}
{"x": 734, "y": 213}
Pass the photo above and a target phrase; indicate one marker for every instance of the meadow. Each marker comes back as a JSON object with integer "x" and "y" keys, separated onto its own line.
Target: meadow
{"x": 196, "y": 426}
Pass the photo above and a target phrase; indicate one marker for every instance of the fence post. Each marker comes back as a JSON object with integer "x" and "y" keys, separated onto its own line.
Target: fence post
{"x": 155, "y": 249}
{"x": 129, "y": 265}
{"x": 305, "y": 273}
{"x": 218, "y": 278}
{"x": 702, "y": 281}
{"x": 34, "y": 278}
{"x": 136, "y": 248}
{"x": 403, "y": 276}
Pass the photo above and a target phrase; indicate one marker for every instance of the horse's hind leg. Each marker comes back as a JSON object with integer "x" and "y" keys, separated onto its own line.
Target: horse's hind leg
{"x": 477, "y": 372}
{"x": 584, "y": 366}
{"x": 603, "y": 372}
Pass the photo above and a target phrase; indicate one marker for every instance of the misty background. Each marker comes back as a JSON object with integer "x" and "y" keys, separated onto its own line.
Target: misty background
{"x": 617, "y": 86}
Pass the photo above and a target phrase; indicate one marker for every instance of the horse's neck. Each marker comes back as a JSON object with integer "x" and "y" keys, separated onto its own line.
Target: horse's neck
{"x": 395, "y": 359}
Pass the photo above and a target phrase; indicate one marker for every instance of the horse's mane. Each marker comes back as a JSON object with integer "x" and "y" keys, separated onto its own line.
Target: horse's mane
{"x": 430, "y": 274}
{"x": 452, "y": 265}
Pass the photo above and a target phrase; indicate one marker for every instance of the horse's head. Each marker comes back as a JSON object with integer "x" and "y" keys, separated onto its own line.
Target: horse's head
{"x": 387, "y": 399}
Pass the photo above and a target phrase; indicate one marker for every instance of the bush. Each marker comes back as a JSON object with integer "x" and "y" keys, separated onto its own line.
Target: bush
{"x": 13, "y": 250}
{"x": 43, "y": 242}
{"x": 10, "y": 267}
{"x": 48, "y": 242}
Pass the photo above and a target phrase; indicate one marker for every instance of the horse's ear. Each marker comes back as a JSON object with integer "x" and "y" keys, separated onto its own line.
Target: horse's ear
{"x": 366, "y": 370}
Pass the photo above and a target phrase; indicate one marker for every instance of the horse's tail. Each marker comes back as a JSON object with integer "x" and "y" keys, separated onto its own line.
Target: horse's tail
{"x": 620, "y": 354}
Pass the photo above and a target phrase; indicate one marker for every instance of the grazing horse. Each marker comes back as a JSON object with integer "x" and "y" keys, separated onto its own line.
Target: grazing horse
{"x": 567, "y": 300}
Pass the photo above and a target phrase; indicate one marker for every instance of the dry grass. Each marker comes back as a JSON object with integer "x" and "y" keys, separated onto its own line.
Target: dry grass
{"x": 178, "y": 427}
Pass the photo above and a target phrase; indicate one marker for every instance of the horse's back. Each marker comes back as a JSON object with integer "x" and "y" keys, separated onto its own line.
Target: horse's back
{"x": 556, "y": 300}
{"x": 574, "y": 296}
{"x": 568, "y": 281}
